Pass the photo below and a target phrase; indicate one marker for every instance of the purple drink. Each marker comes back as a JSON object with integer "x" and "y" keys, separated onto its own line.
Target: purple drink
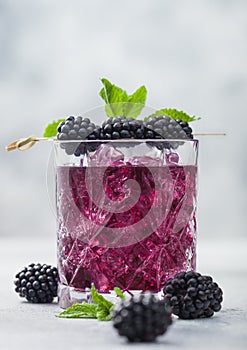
{"x": 127, "y": 225}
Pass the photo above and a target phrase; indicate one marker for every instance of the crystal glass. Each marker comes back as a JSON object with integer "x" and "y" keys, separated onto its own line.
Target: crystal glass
{"x": 126, "y": 215}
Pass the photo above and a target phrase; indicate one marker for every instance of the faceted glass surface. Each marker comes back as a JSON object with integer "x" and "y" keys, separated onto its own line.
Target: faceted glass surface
{"x": 126, "y": 216}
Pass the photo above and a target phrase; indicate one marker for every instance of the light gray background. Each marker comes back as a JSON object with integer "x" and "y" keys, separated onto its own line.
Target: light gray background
{"x": 190, "y": 54}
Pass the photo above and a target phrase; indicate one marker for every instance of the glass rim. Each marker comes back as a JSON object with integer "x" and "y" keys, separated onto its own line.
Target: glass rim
{"x": 128, "y": 141}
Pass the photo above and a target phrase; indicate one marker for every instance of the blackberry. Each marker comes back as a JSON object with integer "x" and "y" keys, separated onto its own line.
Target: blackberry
{"x": 192, "y": 295}
{"x": 78, "y": 128}
{"x": 167, "y": 128}
{"x": 37, "y": 283}
{"x": 186, "y": 128}
{"x": 122, "y": 128}
{"x": 141, "y": 318}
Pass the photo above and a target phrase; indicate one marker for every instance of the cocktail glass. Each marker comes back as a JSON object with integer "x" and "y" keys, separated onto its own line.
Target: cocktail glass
{"x": 126, "y": 215}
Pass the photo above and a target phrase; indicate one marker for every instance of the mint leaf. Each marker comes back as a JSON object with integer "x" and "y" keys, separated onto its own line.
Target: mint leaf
{"x": 51, "y": 129}
{"x": 99, "y": 299}
{"x": 119, "y": 292}
{"x": 135, "y": 103}
{"x": 174, "y": 114}
{"x": 139, "y": 96}
{"x": 103, "y": 314}
{"x": 112, "y": 93}
{"x": 104, "y": 306}
{"x": 113, "y": 97}
{"x": 118, "y": 102}
{"x": 83, "y": 310}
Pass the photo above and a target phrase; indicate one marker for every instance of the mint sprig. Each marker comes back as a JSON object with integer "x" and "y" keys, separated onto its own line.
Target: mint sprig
{"x": 118, "y": 102}
{"x": 174, "y": 114}
{"x": 51, "y": 129}
{"x": 101, "y": 309}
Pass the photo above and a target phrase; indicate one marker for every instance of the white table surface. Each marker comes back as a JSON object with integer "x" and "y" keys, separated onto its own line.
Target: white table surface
{"x": 34, "y": 326}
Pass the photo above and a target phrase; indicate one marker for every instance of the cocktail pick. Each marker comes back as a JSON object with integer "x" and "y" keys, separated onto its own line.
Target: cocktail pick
{"x": 211, "y": 134}
{"x": 24, "y": 144}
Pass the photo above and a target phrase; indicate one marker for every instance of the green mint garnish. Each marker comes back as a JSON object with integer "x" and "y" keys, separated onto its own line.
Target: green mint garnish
{"x": 103, "y": 314}
{"x": 112, "y": 93}
{"x": 83, "y": 310}
{"x": 101, "y": 309}
{"x": 51, "y": 129}
{"x": 118, "y": 102}
{"x": 174, "y": 114}
{"x": 104, "y": 306}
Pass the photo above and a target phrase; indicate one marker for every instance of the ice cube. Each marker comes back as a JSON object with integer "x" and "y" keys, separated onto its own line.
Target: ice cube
{"x": 105, "y": 155}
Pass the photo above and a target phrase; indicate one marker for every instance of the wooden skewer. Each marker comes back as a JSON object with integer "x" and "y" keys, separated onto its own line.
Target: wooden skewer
{"x": 24, "y": 144}
{"x": 210, "y": 134}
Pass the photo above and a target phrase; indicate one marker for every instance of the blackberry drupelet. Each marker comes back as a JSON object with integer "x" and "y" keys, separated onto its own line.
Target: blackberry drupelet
{"x": 122, "y": 128}
{"x": 142, "y": 318}
{"x": 78, "y": 128}
{"x": 192, "y": 295}
{"x": 167, "y": 128}
{"x": 37, "y": 283}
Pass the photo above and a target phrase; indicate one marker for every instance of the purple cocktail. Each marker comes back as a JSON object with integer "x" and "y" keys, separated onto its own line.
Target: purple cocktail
{"x": 125, "y": 219}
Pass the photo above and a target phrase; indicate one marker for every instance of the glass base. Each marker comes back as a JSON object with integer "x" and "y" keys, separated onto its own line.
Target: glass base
{"x": 68, "y": 296}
